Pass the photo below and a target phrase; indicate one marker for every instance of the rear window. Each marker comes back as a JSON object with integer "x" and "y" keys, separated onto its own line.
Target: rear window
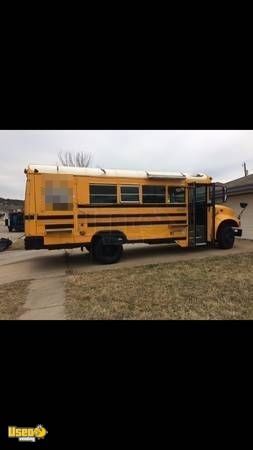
{"x": 58, "y": 196}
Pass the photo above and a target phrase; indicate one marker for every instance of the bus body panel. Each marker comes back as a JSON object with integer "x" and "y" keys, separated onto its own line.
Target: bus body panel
{"x": 58, "y": 211}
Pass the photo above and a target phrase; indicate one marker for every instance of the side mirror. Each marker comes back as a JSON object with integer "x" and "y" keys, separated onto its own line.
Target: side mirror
{"x": 243, "y": 206}
{"x": 225, "y": 195}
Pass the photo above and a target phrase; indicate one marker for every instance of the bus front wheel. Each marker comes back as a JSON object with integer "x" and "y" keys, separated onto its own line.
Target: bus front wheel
{"x": 106, "y": 254}
{"x": 226, "y": 237}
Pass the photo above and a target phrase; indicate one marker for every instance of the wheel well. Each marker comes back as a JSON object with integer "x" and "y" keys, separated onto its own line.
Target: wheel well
{"x": 109, "y": 235}
{"x": 227, "y": 222}
{"x": 95, "y": 237}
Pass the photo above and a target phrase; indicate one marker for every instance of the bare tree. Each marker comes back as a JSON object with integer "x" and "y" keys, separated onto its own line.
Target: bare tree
{"x": 79, "y": 159}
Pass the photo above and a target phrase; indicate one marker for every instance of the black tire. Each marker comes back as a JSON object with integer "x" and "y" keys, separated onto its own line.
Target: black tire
{"x": 106, "y": 254}
{"x": 226, "y": 237}
{"x": 10, "y": 229}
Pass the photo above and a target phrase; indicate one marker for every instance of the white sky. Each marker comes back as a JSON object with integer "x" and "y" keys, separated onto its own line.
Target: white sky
{"x": 218, "y": 153}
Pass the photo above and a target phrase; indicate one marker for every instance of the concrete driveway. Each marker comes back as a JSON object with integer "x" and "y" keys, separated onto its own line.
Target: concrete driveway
{"x": 40, "y": 264}
{"x": 47, "y": 270}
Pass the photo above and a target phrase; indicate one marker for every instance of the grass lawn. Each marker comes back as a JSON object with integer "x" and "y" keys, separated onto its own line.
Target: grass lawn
{"x": 210, "y": 288}
{"x": 12, "y": 299}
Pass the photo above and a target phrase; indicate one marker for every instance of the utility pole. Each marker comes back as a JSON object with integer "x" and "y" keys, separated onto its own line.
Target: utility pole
{"x": 246, "y": 172}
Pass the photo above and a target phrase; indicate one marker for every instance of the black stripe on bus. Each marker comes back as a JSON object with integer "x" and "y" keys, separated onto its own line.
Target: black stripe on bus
{"x": 137, "y": 205}
{"x": 111, "y": 216}
{"x": 157, "y": 241}
{"x": 53, "y": 227}
{"x": 104, "y": 216}
{"x": 180, "y": 238}
{"x": 126, "y": 224}
{"x": 29, "y": 217}
{"x": 55, "y": 217}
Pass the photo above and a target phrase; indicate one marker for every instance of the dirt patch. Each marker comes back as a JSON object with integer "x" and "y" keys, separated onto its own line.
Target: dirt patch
{"x": 12, "y": 299}
{"x": 211, "y": 288}
{"x": 19, "y": 244}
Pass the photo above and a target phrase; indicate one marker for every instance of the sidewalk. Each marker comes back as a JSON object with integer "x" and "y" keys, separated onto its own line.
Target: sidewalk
{"x": 45, "y": 300}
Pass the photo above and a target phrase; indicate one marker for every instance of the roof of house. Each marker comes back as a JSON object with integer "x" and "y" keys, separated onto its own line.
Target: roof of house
{"x": 243, "y": 185}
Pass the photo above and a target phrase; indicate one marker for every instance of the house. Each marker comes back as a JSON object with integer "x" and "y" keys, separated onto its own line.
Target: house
{"x": 241, "y": 190}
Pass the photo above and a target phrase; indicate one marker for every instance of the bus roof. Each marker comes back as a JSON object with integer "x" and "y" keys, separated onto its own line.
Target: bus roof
{"x": 117, "y": 173}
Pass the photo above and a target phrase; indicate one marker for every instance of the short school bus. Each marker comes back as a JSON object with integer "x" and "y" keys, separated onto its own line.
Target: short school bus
{"x": 101, "y": 210}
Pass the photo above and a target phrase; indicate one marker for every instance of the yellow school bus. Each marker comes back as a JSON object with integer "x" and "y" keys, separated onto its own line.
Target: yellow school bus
{"x": 100, "y": 210}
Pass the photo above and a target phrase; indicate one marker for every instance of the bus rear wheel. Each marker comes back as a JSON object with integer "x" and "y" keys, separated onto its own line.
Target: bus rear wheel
{"x": 106, "y": 254}
{"x": 226, "y": 237}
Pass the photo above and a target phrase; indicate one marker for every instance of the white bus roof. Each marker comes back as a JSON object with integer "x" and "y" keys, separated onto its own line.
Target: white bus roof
{"x": 99, "y": 172}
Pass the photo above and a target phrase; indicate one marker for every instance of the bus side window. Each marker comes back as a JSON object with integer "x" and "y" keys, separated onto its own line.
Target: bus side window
{"x": 153, "y": 194}
{"x": 129, "y": 194}
{"x": 102, "y": 193}
{"x": 176, "y": 195}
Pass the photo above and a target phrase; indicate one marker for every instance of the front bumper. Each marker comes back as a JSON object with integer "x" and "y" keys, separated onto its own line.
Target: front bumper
{"x": 237, "y": 231}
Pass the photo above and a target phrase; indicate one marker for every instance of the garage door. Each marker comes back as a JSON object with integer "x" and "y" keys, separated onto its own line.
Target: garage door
{"x": 247, "y": 217}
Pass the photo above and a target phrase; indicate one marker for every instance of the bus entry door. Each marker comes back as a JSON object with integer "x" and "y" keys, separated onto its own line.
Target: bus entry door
{"x": 197, "y": 213}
